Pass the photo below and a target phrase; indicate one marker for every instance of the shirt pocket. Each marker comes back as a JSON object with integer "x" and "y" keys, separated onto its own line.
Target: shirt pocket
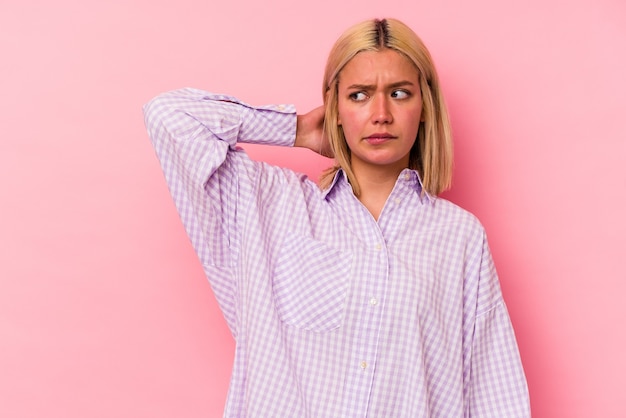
{"x": 310, "y": 283}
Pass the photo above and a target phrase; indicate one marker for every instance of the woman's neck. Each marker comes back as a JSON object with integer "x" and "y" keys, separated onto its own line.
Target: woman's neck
{"x": 376, "y": 185}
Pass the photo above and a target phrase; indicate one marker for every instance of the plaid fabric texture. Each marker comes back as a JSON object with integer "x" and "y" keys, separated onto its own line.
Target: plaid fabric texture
{"x": 335, "y": 314}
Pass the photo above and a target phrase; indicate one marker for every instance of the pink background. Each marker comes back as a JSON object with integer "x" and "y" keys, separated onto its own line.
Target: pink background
{"x": 104, "y": 310}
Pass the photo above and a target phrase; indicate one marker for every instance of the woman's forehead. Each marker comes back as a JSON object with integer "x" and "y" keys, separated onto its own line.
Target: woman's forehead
{"x": 376, "y": 66}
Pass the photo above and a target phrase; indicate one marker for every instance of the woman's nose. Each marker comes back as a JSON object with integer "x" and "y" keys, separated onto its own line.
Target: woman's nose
{"x": 381, "y": 111}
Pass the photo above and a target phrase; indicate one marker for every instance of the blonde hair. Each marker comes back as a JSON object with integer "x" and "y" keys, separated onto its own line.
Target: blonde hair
{"x": 431, "y": 154}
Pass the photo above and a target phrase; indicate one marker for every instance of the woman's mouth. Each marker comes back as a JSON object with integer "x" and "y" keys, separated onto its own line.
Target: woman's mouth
{"x": 379, "y": 138}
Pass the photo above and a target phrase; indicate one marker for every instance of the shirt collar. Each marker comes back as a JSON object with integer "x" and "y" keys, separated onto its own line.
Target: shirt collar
{"x": 338, "y": 174}
{"x": 408, "y": 175}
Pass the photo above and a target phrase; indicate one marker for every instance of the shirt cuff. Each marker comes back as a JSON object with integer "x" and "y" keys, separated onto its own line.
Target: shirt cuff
{"x": 269, "y": 125}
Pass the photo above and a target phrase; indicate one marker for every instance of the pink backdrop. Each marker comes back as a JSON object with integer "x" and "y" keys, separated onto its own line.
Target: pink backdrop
{"x": 104, "y": 310}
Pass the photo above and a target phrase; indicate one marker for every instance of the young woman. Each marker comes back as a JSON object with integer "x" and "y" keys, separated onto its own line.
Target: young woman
{"x": 367, "y": 296}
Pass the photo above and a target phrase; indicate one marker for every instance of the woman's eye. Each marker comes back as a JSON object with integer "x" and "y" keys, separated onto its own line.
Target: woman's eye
{"x": 358, "y": 96}
{"x": 400, "y": 94}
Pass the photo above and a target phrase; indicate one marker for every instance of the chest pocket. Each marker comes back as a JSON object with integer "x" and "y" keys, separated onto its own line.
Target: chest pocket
{"x": 310, "y": 284}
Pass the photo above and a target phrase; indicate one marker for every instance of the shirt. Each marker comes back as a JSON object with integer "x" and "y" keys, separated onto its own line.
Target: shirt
{"x": 335, "y": 314}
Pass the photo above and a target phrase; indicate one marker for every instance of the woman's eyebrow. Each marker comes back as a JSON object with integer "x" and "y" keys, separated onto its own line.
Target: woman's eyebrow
{"x": 401, "y": 84}
{"x": 369, "y": 87}
{"x": 362, "y": 87}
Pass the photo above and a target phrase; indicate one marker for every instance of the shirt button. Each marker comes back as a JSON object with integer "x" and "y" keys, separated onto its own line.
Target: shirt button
{"x": 280, "y": 107}
{"x": 363, "y": 365}
{"x": 407, "y": 176}
{"x": 397, "y": 201}
{"x": 378, "y": 247}
{"x": 373, "y": 301}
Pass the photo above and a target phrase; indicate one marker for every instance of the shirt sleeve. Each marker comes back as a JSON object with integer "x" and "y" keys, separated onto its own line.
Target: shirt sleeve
{"x": 497, "y": 382}
{"x": 195, "y": 136}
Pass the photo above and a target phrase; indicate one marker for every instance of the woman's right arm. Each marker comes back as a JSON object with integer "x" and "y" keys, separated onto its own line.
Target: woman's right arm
{"x": 194, "y": 134}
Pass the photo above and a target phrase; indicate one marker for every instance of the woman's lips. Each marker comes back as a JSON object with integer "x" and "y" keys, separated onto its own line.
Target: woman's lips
{"x": 379, "y": 138}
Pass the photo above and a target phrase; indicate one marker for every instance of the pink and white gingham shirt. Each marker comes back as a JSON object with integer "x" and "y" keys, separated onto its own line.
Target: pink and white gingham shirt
{"x": 335, "y": 314}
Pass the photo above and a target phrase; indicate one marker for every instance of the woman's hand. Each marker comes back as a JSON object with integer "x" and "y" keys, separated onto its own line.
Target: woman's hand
{"x": 310, "y": 132}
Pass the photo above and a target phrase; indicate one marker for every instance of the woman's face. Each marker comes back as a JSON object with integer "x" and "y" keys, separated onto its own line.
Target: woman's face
{"x": 380, "y": 109}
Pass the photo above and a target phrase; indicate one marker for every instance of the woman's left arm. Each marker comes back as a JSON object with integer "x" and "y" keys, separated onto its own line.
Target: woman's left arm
{"x": 497, "y": 384}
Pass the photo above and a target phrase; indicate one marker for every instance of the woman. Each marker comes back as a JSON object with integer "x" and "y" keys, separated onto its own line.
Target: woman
{"x": 369, "y": 295}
